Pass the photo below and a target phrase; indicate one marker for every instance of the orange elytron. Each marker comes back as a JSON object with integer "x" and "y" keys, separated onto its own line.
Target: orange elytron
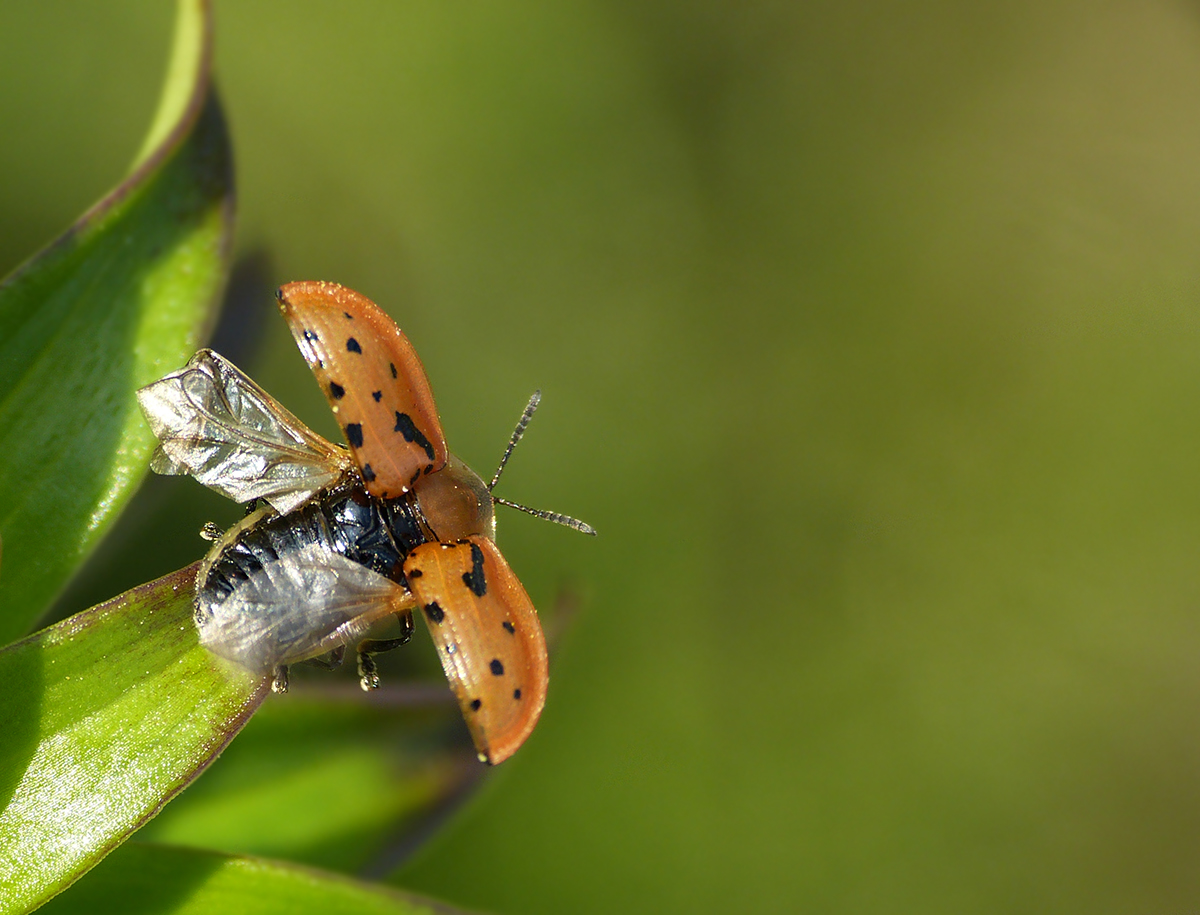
{"x": 343, "y": 541}
{"x": 374, "y": 382}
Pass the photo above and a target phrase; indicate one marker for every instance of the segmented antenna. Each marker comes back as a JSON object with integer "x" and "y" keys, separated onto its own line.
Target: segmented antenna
{"x": 566, "y": 520}
{"x": 522, "y": 423}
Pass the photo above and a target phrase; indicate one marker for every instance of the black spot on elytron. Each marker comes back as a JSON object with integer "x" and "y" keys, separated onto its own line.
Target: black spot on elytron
{"x": 415, "y": 573}
{"x": 368, "y": 473}
{"x": 352, "y": 345}
{"x": 416, "y": 476}
{"x": 516, "y": 694}
{"x": 509, "y": 628}
{"x": 378, "y": 395}
{"x": 406, "y": 427}
{"x": 476, "y": 704}
{"x": 435, "y": 613}
{"x": 428, "y": 468}
{"x": 336, "y": 391}
{"x": 497, "y": 667}
{"x": 354, "y": 434}
{"x": 310, "y": 336}
{"x": 475, "y": 579}
{"x": 349, "y": 317}
{"x": 392, "y": 366}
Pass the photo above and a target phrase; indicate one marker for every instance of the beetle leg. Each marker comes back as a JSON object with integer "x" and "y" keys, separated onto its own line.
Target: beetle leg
{"x": 367, "y": 672}
{"x": 331, "y": 661}
{"x": 377, "y": 646}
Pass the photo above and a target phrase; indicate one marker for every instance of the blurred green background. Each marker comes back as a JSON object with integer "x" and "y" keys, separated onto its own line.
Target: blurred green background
{"x": 869, "y": 340}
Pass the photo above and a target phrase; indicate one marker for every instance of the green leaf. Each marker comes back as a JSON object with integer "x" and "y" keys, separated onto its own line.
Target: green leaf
{"x": 122, "y": 297}
{"x": 270, "y": 792}
{"x": 105, "y": 717}
{"x": 143, "y": 879}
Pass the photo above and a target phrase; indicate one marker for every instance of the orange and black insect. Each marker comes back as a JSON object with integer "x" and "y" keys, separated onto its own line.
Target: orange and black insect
{"x": 346, "y": 538}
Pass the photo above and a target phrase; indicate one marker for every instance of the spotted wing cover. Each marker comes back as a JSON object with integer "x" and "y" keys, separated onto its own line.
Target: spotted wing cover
{"x": 305, "y": 603}
{"x": 488, "y": 638}
{"x": 215, "y": 424}
{"x": 373, "y": 380}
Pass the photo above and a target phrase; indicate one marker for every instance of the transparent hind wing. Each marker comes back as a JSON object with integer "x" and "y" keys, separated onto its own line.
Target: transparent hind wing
{"x": 215, "y": 424}
{"x": 307, "y": 602}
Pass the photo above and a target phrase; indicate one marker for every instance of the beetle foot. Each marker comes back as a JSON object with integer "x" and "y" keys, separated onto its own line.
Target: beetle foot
{"x": 367, "y": 673}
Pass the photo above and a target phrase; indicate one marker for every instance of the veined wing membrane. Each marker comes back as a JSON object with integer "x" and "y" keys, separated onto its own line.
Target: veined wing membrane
{"x": 303, "y": 604}
{"x": 215, "y": 424}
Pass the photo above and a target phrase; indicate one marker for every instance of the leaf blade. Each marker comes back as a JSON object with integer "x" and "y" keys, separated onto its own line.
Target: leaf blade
{"x": 404, "y": 750}
{"x": 108, "y": 715}
{"x": 122, "y": 296}
{"x": 145, "y": 878}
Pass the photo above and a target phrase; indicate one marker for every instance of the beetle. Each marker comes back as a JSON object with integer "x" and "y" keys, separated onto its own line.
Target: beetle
{"x": 339, "y": 538}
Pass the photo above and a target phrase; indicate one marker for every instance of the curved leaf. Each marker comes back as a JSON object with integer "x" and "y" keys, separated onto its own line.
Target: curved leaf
{"x": 404, "y": 749}
{"x": 105, "y": 717}
{"x": 143, "y": 879}
{"x": 120, "y": 298}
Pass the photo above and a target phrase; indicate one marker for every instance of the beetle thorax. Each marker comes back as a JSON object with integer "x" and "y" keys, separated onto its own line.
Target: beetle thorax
{"x": 455, "y": 503}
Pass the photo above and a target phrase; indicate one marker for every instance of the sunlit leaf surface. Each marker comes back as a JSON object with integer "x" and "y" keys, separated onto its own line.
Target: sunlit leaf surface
{"x": 120, "y": 298}
{"x": 105, "y": 717}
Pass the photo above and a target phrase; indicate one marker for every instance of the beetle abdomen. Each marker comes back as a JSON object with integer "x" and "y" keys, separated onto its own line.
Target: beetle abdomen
{"x": 276, "y": 589}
